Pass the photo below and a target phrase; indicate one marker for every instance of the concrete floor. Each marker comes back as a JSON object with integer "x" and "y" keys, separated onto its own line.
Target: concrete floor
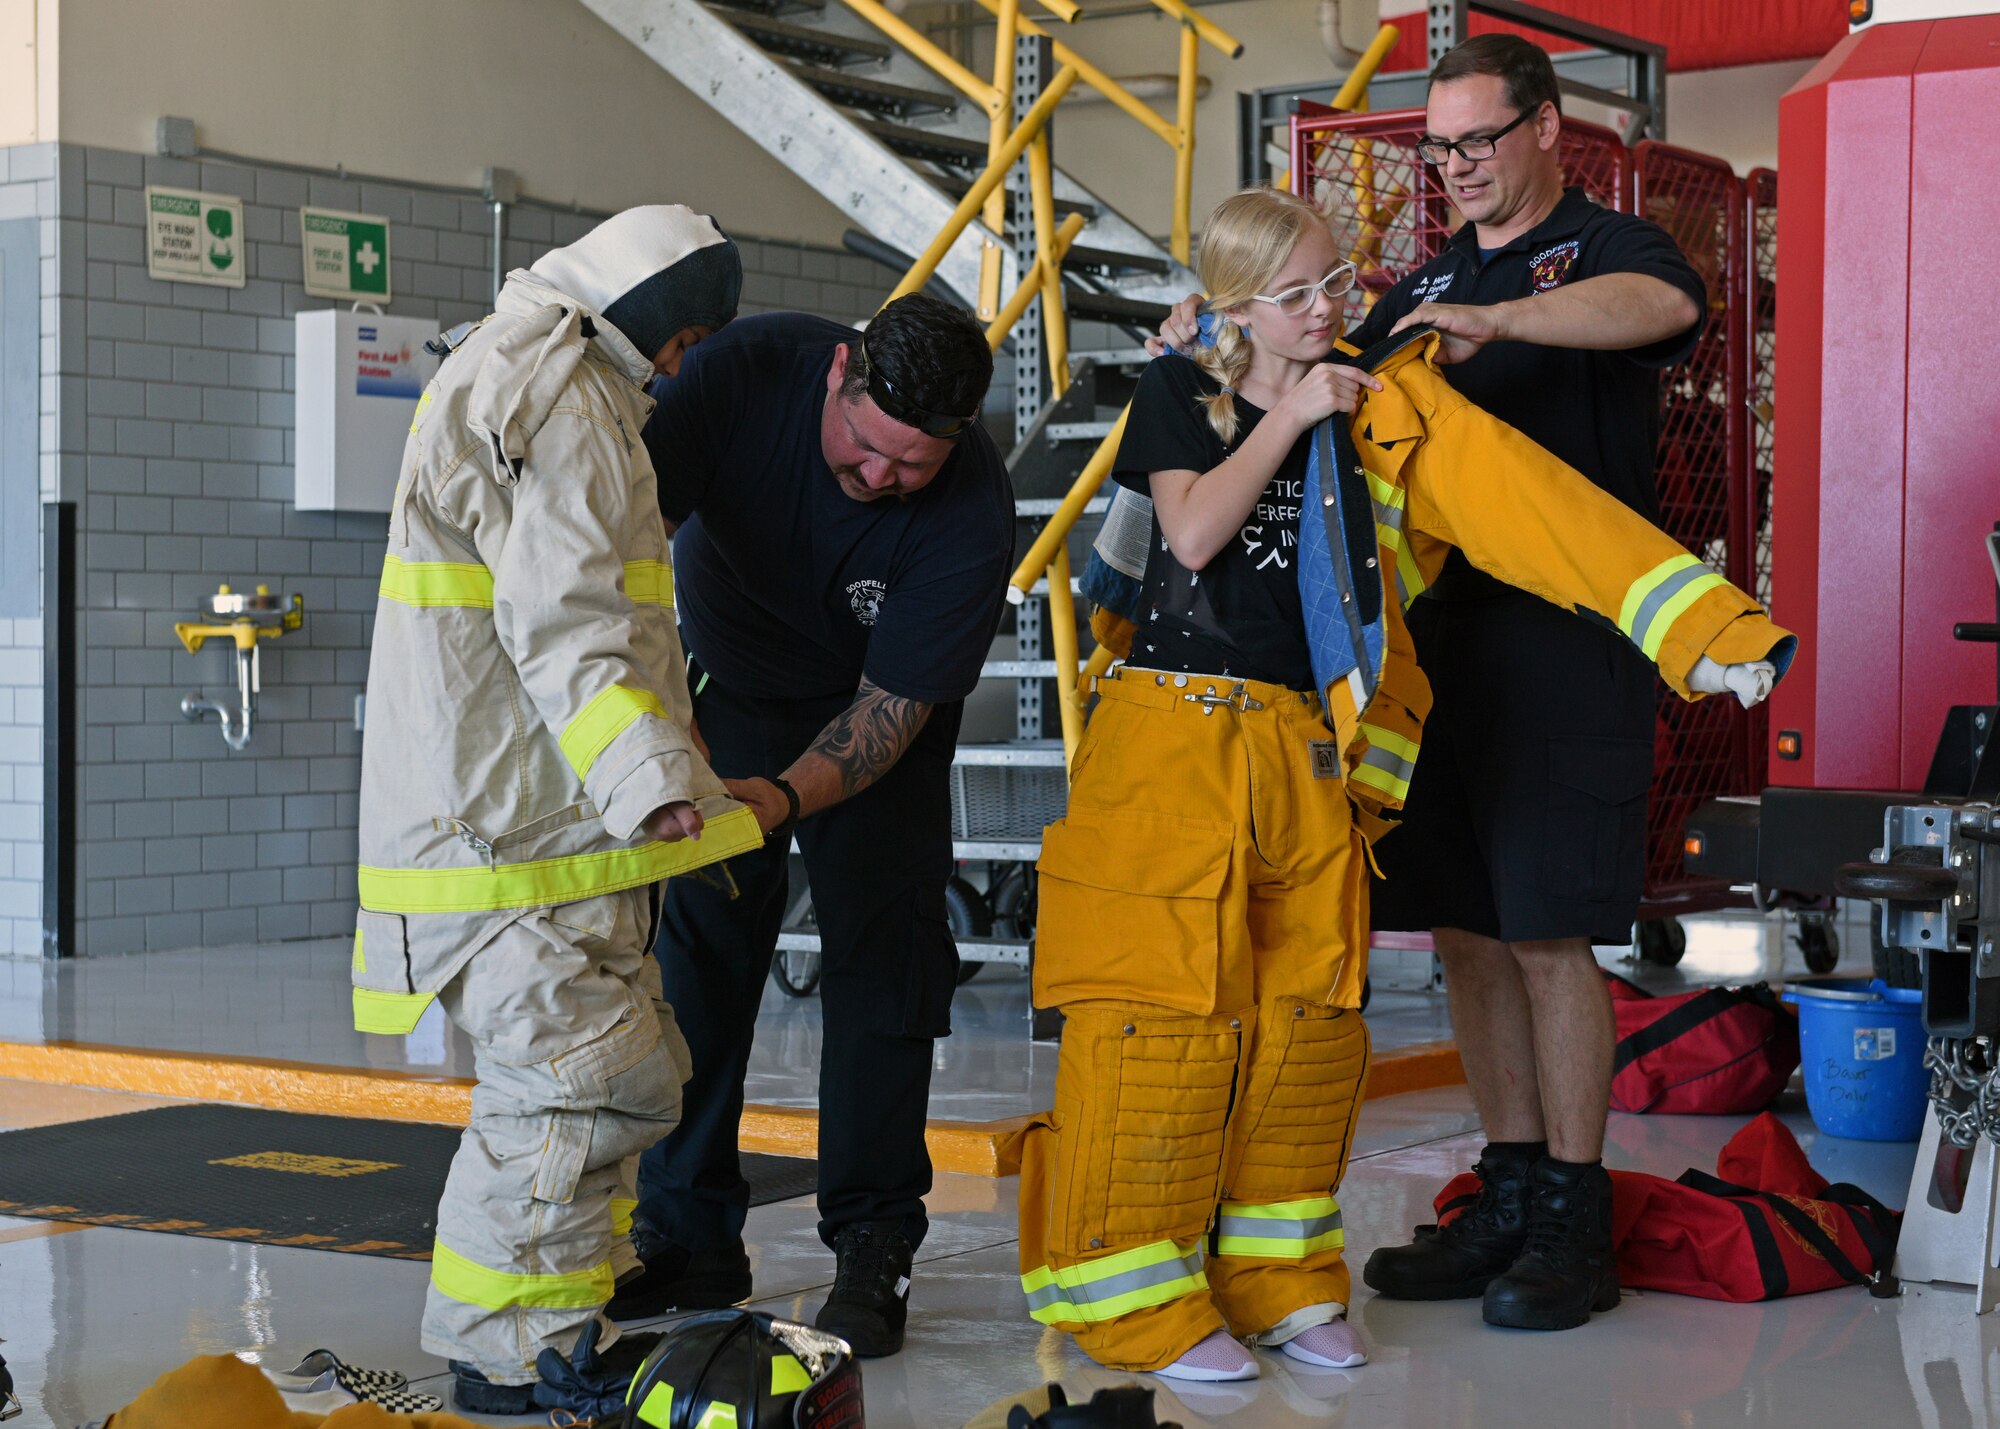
{"x": 89, "y": 1315}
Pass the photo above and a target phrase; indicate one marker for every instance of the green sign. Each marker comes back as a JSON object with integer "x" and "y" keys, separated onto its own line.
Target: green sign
{"x": 346, "y": 255}
{"x": 194, "y": 237}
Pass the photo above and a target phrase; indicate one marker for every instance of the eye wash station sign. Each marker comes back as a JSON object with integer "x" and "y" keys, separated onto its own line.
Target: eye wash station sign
{"x": 194, "y": 237}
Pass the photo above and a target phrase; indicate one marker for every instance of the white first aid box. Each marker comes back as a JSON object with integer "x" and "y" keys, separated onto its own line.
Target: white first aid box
{"x": 359, "y": 378}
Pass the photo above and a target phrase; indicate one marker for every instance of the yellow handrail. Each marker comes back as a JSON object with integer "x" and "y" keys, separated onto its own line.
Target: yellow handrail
{"x": 927, "y": 50}
{"x": 1058, "y": 528}
{"x": 1062, "y": 627}
{"x": 1032, "y": 284}
{"x": 986, "y": 184}
{"x": 1206, "y": 28}
{"x": 1097, "y": 79}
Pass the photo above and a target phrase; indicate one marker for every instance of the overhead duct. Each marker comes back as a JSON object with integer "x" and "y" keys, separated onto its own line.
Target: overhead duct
{"x": 1346, "y": 27}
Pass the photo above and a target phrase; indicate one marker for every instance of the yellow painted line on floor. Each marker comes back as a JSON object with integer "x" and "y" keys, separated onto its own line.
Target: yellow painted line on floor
{"x": 973, "y": 1148}
{"x": 40, "y": 1230}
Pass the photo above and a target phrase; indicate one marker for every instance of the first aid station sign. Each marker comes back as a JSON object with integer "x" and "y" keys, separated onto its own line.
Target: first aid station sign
{"x": 346, "y": 255}
{"x": 194, "y": 237}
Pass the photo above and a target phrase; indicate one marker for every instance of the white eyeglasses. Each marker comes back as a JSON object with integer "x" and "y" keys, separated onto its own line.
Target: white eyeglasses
{"x": 1294, "y": 301}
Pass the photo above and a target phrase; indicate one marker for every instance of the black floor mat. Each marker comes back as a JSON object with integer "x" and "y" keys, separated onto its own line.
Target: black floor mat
{"x": 280, "y": 1178}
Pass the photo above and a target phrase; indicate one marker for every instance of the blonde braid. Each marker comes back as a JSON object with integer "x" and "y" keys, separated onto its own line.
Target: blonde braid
{"x": 1226, "y": 362}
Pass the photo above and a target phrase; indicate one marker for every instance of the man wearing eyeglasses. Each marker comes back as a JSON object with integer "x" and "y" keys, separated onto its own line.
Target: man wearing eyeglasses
{"x": 1523, "y": 838}
{"x": 844, "y": 531}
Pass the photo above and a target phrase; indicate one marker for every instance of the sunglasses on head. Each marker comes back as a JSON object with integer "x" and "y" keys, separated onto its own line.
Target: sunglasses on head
{"x": 900, "y": 408}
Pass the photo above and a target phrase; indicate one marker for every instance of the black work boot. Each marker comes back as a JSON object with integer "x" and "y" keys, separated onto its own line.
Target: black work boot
{"x": 871, "y": 1288}
{"x": 1456, "y": 1261}
{"x": 1569, "y": 1267}
{"x": 675, "y": 1278}
{"x": 476, "y": 1394}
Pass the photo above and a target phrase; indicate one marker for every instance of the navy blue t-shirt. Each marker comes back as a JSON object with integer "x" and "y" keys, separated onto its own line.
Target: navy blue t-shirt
{"x": 1598, "y": 411}
{"x": 787, "y": 587}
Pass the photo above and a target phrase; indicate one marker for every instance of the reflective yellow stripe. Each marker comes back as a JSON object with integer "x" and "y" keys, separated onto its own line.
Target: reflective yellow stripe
{"x": 1114, "y": 1285}
{"x": 609, "y": 714}
{"x": 1280, "y": 1230}
{"x": 788, "y": 1376}
{"x": 437, "y": 583}
{"x": 423, "y": 406}
{"x": 650, "y": 583}
{"x": 717, "y": 1416}
{"x": 389, "y": 1014}
{"x": 1388, "y": 762}
{"x": 1390, "y": 740}
{"x": 554, "y": 880}
{"x": 657, "y": 1408}
{"x": 360, "y": 964}
{"x": 1383, "y": 492}
{"x": 1657, "y": 599}
{"x": 472, "y": 1284}
{"x": 621, "y": 1215}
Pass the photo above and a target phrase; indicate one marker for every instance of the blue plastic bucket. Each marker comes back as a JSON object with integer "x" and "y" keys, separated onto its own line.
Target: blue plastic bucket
{"x": 1861, "y": 1045}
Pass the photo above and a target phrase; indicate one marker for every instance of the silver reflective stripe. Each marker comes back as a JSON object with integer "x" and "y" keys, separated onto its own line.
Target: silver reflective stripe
{"x": 1390, "y": 763}
{"x": 1666, "y": 590}
{"x": 1096, "y": 1292}
{"x": 1257, "y": 1228}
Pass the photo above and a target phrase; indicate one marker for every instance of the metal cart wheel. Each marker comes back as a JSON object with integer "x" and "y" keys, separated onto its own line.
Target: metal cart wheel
{"x": 1663, "y": 942}
{"x": 1818, "y": 940}
{"x": 966, "y": 911}
{"x": 796, "y": 971}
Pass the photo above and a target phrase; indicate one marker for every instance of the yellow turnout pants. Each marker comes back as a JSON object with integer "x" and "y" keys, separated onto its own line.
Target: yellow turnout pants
{"x": 1203, "y": 925}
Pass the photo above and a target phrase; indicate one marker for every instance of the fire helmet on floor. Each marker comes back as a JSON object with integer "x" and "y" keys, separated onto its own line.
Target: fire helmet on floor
{"x": 1125, "y": 1406}
{"x": 748, "y": 1370}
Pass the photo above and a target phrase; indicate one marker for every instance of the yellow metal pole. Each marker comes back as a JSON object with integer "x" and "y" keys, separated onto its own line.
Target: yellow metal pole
{"x": 1043, "y": 552}
{"x": 1031, "y": 285}
{"x": 1062, "y": 621}
{"x": 975, "y": 197}
{"x": 997, "y": 117}
{"x": 1190, "y": 75}
{"x": 1055, "y": 319}
{"x": 1356, "y": 85}
{"x": 920, "y": 45}
{"x": 1100, "y": 660}
{"x": 1203, "y": 26}
{"x": 1064, "y": 10}
{"x": 1098, "y": 80}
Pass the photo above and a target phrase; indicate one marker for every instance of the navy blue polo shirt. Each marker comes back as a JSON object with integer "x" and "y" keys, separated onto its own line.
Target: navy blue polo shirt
{"x": 1598, "y": 411}
{"x": 785, "y": 586}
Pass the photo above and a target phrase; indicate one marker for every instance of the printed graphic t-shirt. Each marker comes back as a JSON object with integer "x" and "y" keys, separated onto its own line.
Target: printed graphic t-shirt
{"x": 1240, "y": 616}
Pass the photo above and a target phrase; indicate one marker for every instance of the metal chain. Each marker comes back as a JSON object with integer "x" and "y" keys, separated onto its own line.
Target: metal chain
{"x": 1965, "y": 1088}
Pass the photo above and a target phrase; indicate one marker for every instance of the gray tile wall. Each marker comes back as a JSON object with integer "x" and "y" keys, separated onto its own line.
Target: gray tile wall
{"x": 170, "y": 424}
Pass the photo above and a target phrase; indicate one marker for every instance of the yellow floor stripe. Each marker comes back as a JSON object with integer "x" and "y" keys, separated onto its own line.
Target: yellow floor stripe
{"x": 40, "y": 1231}
{"x": 974, "y": 1148}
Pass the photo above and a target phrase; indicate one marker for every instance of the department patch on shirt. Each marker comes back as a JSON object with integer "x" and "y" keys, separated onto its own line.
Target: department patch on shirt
{"x": 1551, "y": 266}
{"x": 864, "y": 598}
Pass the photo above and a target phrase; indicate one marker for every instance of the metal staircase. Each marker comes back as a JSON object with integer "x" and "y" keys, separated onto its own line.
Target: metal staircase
{"x": 872, "y": 129}
{"x": 870, "y": 126}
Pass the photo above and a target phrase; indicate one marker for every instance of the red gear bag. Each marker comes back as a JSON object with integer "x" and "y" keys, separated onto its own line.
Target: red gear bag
{"x": 1765, "y": 1226}
{"x": 1717, "y": 1051}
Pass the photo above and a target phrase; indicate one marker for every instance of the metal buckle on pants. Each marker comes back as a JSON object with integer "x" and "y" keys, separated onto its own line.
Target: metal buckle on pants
{"x": 1237, "y": 699}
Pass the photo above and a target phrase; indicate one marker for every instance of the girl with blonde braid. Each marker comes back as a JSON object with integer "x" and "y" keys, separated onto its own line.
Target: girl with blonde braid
{"x": 1202, "y": 914}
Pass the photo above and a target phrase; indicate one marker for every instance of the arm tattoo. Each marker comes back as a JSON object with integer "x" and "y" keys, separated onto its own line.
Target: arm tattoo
{"x": 866, "y": 739}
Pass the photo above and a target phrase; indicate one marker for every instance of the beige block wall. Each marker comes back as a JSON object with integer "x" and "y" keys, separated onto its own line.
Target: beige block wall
{"x": 428, "y": 90}
{"x": 27, "y": 71}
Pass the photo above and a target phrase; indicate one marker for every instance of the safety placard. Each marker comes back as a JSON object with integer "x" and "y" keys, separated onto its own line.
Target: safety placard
{"x": 194, "y": 237}
{"x": 346, "y": 255}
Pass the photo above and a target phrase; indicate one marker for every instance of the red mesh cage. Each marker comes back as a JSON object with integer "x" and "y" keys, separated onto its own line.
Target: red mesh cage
{"x": 1363, "y": 169}
{"x": 1701, "y": 751}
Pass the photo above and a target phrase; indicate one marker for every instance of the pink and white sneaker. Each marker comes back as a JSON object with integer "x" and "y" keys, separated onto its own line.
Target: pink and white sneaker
{"x": 1217, "y": 1358}
{"x": 1333, "y": 1345}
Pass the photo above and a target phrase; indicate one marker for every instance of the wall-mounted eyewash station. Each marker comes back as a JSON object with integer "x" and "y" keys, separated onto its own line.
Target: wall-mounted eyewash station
{"x": 246, "y": 621}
